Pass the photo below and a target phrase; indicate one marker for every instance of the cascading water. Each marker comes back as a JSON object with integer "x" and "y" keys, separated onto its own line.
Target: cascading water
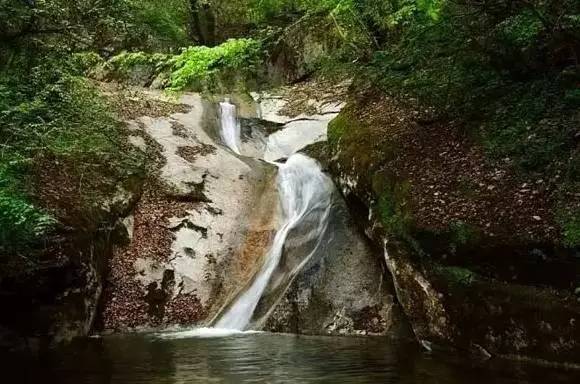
{"x": 304, "y": 192}
{"x": 305, "y": 197}
{"x": 230, "y": 129}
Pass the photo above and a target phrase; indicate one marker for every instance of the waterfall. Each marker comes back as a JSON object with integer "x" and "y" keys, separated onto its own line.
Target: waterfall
{"x": 230, "y": 129}
{"x": 305, "y": 194}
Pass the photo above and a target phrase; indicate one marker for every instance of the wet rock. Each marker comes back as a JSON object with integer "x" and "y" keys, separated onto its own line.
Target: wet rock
{"x": 501, "y": 319}
{"x": 342, "y": 290}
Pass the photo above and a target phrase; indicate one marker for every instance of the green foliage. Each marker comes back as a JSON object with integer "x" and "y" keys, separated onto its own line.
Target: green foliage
{"x": 126, "y": 62}
{"x": 530, "y": 125}
{"x": 51, "y": 113}
{"x": 195, "y": 68}
{"x": 203, "y": 67}
{"x": 165, "y": 22}
{"x": 457, "y": 275}
{"x": 87, "y": 24}
{"x": 521, "y": 30}
{"x": 570, "y": 223}
{"x": 86, "y": 61}
{"x": 261, "y": 11}
{"x": 20, "y": 221}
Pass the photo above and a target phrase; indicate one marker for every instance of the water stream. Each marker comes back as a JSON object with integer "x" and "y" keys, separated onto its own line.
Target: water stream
{"x": 230, "y": 128}
{"x": 305, "y": 192}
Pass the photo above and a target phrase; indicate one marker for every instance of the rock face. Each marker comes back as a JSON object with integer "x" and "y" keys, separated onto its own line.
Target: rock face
{"x": 446, "y": 307}
{"x": 344, "y": 288}
{"x": 56, "y": 303}
{"x": 471, "y": 271}
{"x": 301, "y": 47}
{"x": 198, "y": 233}
{"x": 58, "y": 299}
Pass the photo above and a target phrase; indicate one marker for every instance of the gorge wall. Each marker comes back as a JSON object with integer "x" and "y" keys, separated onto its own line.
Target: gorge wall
{"x": 472, "y": 247}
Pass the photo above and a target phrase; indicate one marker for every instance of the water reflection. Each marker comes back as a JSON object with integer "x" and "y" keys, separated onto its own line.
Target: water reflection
{"x": 264, "y": 358}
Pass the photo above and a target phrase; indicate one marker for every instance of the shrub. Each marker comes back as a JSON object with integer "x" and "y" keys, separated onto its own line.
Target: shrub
{"x": 203, "y": 67}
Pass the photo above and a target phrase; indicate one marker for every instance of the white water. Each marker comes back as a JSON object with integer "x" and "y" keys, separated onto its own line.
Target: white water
{"x": 304, "y": 190}
{"x": 230, "y": 128}
{"x": 203, "y": 333}
{"x": 305, "y": 194}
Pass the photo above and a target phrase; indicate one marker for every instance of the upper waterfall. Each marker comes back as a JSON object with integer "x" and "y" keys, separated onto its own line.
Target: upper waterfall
{"x": 230, "y": 128}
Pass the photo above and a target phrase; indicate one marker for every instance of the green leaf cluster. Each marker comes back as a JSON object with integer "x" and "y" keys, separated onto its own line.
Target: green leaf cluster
{"x": 202, "y": 67}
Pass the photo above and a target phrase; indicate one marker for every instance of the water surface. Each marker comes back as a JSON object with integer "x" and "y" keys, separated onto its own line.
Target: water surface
{"x": 264, "y": 358}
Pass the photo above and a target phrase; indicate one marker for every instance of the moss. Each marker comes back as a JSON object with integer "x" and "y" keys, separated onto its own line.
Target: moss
{"x": 393, "y": 210}
{"x": 337, "y": 128}
{"x": 456, "y": 275}
{"x": 570, "y": 224}
{"x": 462, "y": 234}
{"x": 358, "y": 147}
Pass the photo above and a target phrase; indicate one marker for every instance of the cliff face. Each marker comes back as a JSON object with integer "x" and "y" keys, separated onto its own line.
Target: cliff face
{"x": 57, "y": 302}
{"x": 56, "y": 297}
{"x": 199, "y": 231}
{"x": 51, "y": 292}
{"x": 473, "y": 246}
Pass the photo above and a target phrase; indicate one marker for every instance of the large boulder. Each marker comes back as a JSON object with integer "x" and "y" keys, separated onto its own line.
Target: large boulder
{"x": 303, "y": 46}
{"x": 343, "y": 289}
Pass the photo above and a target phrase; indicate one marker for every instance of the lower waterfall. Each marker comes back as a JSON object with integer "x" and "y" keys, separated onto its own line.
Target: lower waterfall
{"x": 305, "y": 192}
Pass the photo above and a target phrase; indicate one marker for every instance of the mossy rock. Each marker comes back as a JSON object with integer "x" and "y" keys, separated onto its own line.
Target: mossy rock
{"x": 453, "y": 306}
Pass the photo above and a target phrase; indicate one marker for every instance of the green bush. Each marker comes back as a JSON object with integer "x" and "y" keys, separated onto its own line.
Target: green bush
{"x": 84, "y": 62}
{"x": 126, "y": 61}
{"x": 203, "y": 67}
{"x": 21, "y": 222}
{"x": 521, "y": 30}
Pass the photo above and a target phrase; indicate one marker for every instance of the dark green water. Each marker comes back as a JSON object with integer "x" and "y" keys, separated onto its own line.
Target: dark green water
{"x": 264, "y": 358}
